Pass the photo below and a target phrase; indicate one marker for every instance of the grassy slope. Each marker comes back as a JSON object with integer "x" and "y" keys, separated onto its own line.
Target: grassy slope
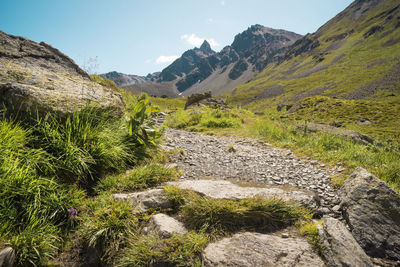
{"x": 355, "y": 64}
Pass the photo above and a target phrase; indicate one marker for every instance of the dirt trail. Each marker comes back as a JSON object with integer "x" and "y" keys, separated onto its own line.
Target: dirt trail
{"x": 248, "y": 160}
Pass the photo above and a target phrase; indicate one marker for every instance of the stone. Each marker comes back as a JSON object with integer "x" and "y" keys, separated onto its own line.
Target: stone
{"x": 228, "y": 190}
{"x": 39, "y": 77}
{"x": 254, "y": 249}
{"x": 7, "y": 257}
{"x": 164, "y": 226}
{"x": 372, "y": 210}
{"x": 340, "y": 247}
{"x": 145, "y": 200}
{"x": 353, "y": 135}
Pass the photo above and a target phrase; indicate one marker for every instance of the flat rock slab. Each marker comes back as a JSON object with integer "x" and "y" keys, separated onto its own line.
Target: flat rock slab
{"x": 340, "y": 247}
{"x": 372, "y": 210}
{"x": 145, "y": 200}
{"x": 254, "y": 249}
{"x": 164, "y": 226}
{"x": 228, "y": 190}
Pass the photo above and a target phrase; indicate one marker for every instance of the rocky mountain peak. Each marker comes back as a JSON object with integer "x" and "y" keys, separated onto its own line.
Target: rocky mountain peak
{"x": 206, "y": 48}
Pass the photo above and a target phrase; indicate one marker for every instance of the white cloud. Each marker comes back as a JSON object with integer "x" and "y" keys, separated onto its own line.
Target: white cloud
{"x": 222, "y": 3}
{"x": 165, "y": 59}
{"x": 195, "y": 40}
{"x": 148, "y": 61}
{"x": 209, "y": 20}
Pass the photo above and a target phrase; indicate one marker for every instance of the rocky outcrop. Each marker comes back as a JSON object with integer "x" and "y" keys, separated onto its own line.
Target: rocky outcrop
{"x": 254, "y": 249}
{"x": 353, "y": 135}
{"x": 195, "y": 98}
{"x": 39, "y": 77}
{"x": 7, "y": 257}
{"x": 372, "y": 211}
{"x": 339, "y": 246}
{"x": 164, "y": 226}
{"x": 227, "y": 190}
{"x": 146, "y": 200}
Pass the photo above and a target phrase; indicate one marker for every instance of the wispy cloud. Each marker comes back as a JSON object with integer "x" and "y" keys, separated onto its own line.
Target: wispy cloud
{"x": 222, "y": 3}
{"x": 210, "y": 20}
{"x": 165, "y": 59}
{"x": 148, "y": 61}
{"x": 195, "y": 40}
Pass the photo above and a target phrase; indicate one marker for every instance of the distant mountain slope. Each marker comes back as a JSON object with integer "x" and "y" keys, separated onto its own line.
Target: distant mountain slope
{"x": 355, "y": 55}
{"x": 202, "y": 69}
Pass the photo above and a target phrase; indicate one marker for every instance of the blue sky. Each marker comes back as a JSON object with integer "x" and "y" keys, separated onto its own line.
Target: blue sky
{"x": 140, "y": 37}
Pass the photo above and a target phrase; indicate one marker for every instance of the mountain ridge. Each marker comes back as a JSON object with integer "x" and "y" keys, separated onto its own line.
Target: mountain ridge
{"x": 249, "y": 53}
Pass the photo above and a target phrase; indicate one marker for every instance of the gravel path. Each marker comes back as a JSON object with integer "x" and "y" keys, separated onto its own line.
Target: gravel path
{"x": 252, "y": 161}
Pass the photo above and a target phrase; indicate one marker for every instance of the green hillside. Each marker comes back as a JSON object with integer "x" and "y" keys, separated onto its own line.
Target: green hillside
{"x": 354, "y": 56}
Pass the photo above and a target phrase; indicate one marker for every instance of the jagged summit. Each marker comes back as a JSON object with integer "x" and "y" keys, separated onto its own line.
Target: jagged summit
{"x": 206, "y": 48}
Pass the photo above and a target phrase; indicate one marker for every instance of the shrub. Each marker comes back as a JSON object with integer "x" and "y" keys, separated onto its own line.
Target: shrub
{"x": 178, "y": 250}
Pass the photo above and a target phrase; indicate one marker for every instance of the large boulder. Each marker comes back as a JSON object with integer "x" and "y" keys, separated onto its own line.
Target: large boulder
{"x": 228, "y": 190}
{"x": 254, "y": 249}
{"x": 340, "y": 247}
{"x": 372, "y": 211}
{"x": 37, "y": 77}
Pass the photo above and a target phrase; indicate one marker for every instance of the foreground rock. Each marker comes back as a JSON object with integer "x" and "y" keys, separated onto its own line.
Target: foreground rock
{"x": 227, "y": 190}
{"x": 38, "y": 76}
{"x": 145, "y": 200}
{"x": 7, "y": 257}
{"x": 372, "y": 211}
{"x": 254, "y": 249}
{"x": 340, "y": 247}
{"x": 164, "y": 226}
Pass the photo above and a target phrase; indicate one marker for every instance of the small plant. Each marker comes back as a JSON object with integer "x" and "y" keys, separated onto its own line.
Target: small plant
{"x": 310, "y": 230}
{"x": 231, "y": 149}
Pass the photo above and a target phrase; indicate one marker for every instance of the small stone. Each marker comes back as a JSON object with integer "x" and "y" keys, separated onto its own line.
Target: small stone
{"x": 285, "y": 235}
{"x": 7, "y": 257}
{"x": 336, "y": 208}
{"x": 164, "y": 226}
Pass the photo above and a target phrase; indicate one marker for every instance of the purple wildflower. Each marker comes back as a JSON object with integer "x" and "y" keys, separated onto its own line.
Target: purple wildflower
{"x": 73, "y": 212}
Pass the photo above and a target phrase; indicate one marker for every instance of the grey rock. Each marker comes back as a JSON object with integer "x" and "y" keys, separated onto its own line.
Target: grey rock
{"x": 340, "y": 247}
{"x": 164, "y": 226}
{"x": 372, "y": 210}
{"x": 228, "y": 190}
{"x": 356, "y": 136}
{"x": 145, "y": 200}
{"x": 254, "y": 249}
{"x": 7, "y": 257}
{"x": 39, "y": 77}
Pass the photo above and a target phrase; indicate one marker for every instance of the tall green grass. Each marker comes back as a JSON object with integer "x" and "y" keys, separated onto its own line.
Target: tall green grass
{"x": 47, "y": 166}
